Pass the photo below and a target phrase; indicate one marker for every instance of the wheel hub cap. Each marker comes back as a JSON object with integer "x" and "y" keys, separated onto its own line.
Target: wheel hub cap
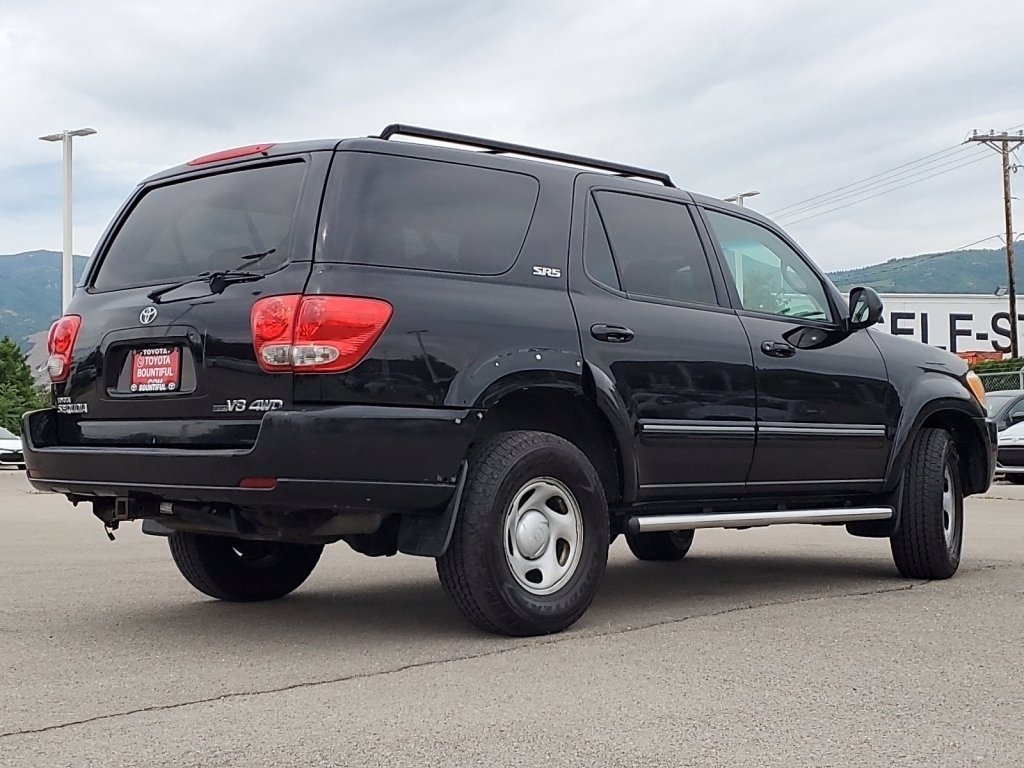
{"x": 543, "y": 536}
{"x": 533, "y": 534}
{"x": 948, "y": 509}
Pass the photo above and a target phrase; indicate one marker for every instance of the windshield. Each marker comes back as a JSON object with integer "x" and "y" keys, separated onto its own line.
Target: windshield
{"x": 209, "y": 223}
{"x": 7, "y": 435}
{"x": 996, "y": 403}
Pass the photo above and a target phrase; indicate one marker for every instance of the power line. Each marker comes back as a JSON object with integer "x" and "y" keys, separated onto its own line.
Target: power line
{"x": 976, "y": 242}
{"x": 882, "y": 184}
{"x": 905, "y": 170}
{"x": 886, "y": 192}
{"x": 926, "y": 160}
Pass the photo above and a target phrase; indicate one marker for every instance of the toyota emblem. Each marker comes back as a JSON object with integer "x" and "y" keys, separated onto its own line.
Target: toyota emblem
{"x": 147, "y": 316}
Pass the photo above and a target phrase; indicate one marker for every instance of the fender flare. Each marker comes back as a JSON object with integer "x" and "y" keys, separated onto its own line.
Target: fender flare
{"x": 610, "y": 404}
{"x": 932, "y": 393}
{"x": 486, "y": 383}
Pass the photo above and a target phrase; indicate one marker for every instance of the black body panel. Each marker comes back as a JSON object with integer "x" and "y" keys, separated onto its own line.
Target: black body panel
{"x": 341, "y": 458}
{"x": 825, "y": 415}
{"x": 682, "y": 379}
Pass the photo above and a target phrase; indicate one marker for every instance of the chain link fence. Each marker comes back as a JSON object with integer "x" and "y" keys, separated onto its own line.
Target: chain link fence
{"x": 999, "y": 380}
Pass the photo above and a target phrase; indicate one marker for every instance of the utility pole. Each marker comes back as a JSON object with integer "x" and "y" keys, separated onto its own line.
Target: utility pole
{"x": 1004, "y": 144}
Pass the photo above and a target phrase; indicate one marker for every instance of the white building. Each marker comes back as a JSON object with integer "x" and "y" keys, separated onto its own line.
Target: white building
{"x": 958, "y": 322}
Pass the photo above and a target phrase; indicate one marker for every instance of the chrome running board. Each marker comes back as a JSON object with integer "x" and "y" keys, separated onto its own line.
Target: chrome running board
{"x": 689, "y": 522}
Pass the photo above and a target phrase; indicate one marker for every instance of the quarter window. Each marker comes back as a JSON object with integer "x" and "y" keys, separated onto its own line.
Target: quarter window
{"x": 597, "y": 256}
{"x": 424, "y": 214}
{"x": 656, "y": 248}
{"x": 769, "y": 275}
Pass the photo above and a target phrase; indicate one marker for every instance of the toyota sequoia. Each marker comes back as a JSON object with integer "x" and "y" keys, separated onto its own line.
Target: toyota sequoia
{"x": 493, "y": 355}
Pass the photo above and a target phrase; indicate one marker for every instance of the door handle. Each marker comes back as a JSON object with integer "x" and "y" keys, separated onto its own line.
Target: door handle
{"x": 616, "y": 334}
{"x": 777, "y": 349}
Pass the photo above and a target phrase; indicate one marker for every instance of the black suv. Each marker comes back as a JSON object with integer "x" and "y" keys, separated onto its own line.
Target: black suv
{"x": 501, "y": 359}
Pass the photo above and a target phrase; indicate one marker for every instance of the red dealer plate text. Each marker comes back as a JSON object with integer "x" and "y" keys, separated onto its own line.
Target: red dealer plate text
{"x": 156, "y": 369}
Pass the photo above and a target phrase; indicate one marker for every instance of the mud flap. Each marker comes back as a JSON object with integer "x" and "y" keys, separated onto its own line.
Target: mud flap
{"x": 881, "y": 529}
{"x": 429, "y": 535}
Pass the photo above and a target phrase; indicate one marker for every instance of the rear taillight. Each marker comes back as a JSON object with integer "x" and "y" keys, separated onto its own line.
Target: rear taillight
{"x": 316, "y": 334}
{"x": 60, "y": 344}
{"x": 273, "y": 323}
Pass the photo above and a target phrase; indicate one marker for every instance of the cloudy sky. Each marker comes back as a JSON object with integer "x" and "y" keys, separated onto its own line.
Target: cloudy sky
{"x": 794, "y": 98}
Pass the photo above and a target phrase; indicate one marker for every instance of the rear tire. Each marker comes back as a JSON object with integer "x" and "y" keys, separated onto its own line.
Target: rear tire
{"x": 242, "y": 571}
{"x": 660, "y": 545}
{"x": 929, "y": 539}
{"x": 531, "y": 540}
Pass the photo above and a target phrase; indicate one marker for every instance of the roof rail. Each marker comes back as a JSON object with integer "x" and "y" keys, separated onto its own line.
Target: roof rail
{"x": 397, "y": 129}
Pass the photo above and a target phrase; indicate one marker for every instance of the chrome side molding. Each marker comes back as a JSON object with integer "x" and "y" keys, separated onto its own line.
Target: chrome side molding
{"x": 692, "y": 521}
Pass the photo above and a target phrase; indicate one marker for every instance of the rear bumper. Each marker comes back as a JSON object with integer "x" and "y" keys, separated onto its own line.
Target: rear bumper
{"x": 343, "y": 458}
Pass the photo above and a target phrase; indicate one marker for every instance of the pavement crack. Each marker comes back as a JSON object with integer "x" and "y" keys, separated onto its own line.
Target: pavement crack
{"x": 535, "y": 643}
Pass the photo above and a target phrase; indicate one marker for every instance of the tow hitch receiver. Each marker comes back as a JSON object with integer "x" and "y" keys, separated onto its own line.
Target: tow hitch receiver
{"x": 111, "y": 512}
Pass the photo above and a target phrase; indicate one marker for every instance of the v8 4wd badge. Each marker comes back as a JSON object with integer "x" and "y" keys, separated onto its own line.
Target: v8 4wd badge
{"x": 237, "y": 406}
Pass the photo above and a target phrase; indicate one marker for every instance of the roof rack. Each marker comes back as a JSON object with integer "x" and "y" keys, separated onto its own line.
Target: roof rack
{"x": 397, "y": 129}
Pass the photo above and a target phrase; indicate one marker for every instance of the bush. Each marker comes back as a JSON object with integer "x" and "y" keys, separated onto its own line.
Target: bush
{"x": 17, "y": 392}
{"x": 998, "y": 366}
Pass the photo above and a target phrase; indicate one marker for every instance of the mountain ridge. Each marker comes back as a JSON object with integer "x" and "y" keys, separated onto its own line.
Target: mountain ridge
{"x": 980, "y": 271}
{"x": 30, "y": 292}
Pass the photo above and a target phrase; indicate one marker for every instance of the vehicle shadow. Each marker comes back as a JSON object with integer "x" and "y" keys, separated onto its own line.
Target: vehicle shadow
{"x": 712, "y": 583}
{"x": 406, "y": 609}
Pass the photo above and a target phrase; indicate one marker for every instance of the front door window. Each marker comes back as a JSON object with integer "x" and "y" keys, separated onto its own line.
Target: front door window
{"x": 770, "y": 276}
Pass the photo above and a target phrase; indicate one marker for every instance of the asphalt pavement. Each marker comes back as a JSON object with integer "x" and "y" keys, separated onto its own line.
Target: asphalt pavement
{"x": 789, "y": 646}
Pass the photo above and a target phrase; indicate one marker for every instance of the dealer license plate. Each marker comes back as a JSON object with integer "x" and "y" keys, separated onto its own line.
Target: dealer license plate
{"x": 156, "y": 369}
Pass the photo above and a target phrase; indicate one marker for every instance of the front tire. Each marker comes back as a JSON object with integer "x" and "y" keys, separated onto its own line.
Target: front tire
{"x": 531, "y": 540}
{"x": 929, "y": 539}
{"x": 660, "y": 545}
{"x": 242, "y": 571}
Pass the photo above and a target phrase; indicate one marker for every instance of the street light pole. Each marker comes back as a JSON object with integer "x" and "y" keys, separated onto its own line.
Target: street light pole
{"x": 67, "y": 278}
{"x": 738, "y": 199}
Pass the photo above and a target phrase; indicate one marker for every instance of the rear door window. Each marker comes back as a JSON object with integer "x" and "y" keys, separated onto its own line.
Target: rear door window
{"x": 657, "y": 251}
{"x": 423, "y": 214}
{"x": 224, "y": 221}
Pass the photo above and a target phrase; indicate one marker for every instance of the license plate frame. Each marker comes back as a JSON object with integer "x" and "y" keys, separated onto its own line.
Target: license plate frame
{"x": 154, "y": 370}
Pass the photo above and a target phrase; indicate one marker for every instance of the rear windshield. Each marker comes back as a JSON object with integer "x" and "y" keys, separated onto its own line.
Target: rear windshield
{"x": 213, "y": 222}
{"x": 424, "y": 214}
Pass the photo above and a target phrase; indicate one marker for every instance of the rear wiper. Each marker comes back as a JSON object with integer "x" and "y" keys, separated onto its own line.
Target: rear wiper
{"x": 219, "y": 279}
{"x": 252, "y": 258}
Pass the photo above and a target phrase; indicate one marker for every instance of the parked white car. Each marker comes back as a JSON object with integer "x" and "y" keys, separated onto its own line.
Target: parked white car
{"x": 1010, "y": 463}
{"x": 10, "y": 449}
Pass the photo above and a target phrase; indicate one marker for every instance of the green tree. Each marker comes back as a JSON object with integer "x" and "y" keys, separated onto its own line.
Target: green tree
{"x": 17, "y": 392}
